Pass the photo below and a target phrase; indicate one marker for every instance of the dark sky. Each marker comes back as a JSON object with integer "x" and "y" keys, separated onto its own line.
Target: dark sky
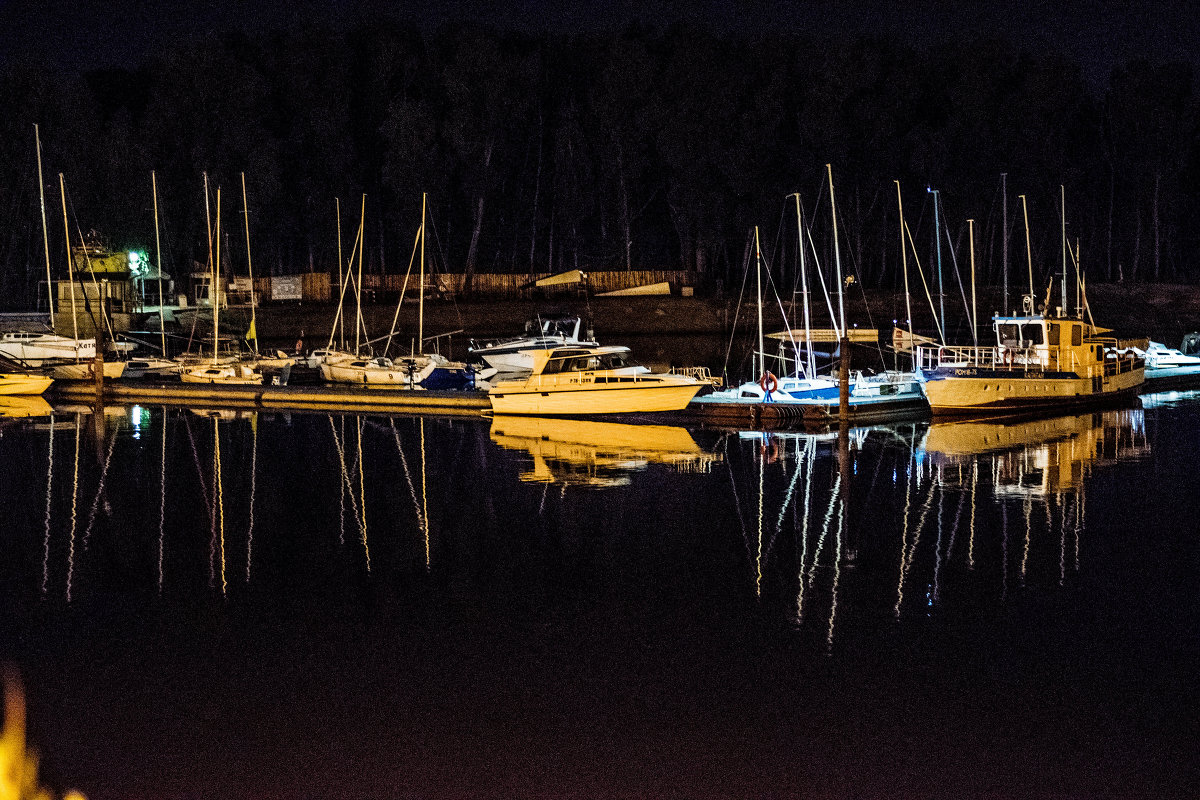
{"x": 86, "y": 33}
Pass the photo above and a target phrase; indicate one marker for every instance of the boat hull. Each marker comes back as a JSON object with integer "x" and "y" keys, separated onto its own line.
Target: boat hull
{"x": 84, "y": 370}
{"x": 17, "y": 383}
{"x": 587, "y": 399}
{"x": 1011, "y": 391}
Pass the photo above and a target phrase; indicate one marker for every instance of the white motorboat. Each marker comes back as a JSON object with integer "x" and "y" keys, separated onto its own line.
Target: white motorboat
{"x": 1166, "y": 364}
{"x": 591, "y": 380}
{"x": 515, "y": 354}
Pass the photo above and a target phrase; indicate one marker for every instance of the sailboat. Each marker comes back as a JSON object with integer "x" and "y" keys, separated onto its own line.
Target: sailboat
{"x": 218, "y": 371}
{"x": 423, "y": 370}
{"x": 803, "y": 393}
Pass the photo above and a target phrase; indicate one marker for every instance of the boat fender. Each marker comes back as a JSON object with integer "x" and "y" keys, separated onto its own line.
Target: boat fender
{"x": 769, "y": 384}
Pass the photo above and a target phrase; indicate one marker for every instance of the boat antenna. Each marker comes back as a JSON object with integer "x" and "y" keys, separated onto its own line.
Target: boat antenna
{"x": 45, "y": 237}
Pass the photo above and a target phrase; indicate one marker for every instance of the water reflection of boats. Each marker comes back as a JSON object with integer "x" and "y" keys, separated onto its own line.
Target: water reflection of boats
{"x": 17, "y": 406}
{"x": 1041, "y": 455}
{"x": 589, "y": 453}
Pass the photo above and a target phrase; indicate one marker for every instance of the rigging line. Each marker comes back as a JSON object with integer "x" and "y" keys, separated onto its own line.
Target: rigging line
{"x": 925, "y": 284}
{"x": 737, "y": 309}
{"x": 837, "y": 573}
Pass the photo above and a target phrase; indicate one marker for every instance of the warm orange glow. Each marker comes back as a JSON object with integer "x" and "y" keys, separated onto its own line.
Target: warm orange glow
{"x": 18, "y": 765}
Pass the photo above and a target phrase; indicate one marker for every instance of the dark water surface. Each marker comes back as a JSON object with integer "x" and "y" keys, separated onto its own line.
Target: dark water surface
{"x": 310, "y": 606}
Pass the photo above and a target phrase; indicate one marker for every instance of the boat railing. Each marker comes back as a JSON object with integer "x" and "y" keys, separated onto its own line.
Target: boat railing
{"x": 701, "y": 374}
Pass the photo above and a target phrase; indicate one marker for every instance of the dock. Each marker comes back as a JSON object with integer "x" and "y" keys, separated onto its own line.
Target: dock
{"x": 358, "y": 399}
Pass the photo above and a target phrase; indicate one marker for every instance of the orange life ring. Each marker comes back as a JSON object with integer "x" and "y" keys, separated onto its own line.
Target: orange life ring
{"x": 768, "y": 383}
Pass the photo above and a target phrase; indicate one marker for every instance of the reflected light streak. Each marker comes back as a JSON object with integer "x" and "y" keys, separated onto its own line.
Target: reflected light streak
{"x": 362, "y": 524}
{"x": 424, "y": 497}
{"x": 253, "y": 491}
{"x": 74, "y": 510}
{"x": 162, "y": 501}
{"x": 49, "y": 505}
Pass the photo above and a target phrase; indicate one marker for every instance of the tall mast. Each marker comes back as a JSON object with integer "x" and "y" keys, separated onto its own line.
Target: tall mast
{"x": 421, "y": 286}
{"x": 216, "y": 282}
{"x": 362, "y": 245}
{"x": 158, "y": 248}
{"x": 1062, "y": 192}
{"x": 1004, "y": 238}
{"x": 974, "y": 313}
{"x": 837, "y": 258}
{"x": 250, "y": 269}
{"x": 211, "y": 273}
{"x": 762, "y": 355}
{"x": 1028, "y": 252}
{"x": 904, "y": 263}
{"x": 809, "y": 358}
{"x": 45, "y": 237}
{"x": 937, "y": 240}
{"x": 62, "y": 188}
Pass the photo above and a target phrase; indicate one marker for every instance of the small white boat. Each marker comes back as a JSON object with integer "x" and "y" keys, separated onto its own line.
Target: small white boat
{"x": 1166, "y": 364}
{"x": 226, "y": 374}
{"x": 85, "y": 370}
{"x": 591, "y": 380}
{"x": 515, "y": 354}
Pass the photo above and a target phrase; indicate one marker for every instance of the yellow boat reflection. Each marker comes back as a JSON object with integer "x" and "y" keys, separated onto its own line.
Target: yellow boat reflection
{"x": 1040, "y": 456}
{"x": 599, "y": 454}
{"x": 17, "y": 406}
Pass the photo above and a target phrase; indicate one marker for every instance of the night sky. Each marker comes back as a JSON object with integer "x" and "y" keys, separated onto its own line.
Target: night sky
{"x": 90, "y": 34}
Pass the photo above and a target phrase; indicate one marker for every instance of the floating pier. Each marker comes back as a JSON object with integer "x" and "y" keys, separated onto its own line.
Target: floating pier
{"x": 297, "y": 398}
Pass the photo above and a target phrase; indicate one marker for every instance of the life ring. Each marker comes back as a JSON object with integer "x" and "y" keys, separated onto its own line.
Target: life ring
{"x": 768, "y": 383}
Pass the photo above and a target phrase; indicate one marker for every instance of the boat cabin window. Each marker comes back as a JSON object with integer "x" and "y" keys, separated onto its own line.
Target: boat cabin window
{"x": 1052, "y": 331}
{"x": 1012, "y": 334}
{"x": 1076, "y": 335}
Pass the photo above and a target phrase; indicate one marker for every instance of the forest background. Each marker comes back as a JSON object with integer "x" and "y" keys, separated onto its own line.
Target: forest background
{"x": 639, "y": 147}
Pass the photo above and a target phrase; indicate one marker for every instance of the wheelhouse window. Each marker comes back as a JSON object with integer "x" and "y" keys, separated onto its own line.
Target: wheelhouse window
{"x": 1052, "y": 334}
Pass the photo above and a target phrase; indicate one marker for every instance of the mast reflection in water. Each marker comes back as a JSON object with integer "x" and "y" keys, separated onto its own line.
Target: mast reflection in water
{"x": 201, "y": 600}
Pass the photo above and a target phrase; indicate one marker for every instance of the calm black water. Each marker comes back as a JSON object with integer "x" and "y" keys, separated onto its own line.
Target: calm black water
{"x": 297, "y": 605}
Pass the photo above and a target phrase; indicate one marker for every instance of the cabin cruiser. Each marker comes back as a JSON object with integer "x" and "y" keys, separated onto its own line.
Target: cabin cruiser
{"x": 1039, "y": 362}
{"x": 1166, "y": 364}
{"x": 515, "y": 354}
{"x": 591, "y": 380}
{"x": 35, "y": 349}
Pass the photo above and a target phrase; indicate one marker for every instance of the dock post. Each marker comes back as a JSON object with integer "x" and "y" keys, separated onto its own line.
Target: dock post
{"x": 844, "y": 380}
{"x": 98, "y": 365}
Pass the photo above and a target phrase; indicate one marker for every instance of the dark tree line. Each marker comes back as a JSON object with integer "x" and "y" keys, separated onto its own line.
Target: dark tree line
{"x": 639, "y": 148}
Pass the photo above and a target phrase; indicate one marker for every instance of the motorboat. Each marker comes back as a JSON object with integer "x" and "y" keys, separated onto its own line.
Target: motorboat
{"x": 430, "y": 371}
{"x": 591, "y": 380}
{"x": 1039, "y": 362}
{"x": 1167, "y": 365}
{"x": 515, "y": 354}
